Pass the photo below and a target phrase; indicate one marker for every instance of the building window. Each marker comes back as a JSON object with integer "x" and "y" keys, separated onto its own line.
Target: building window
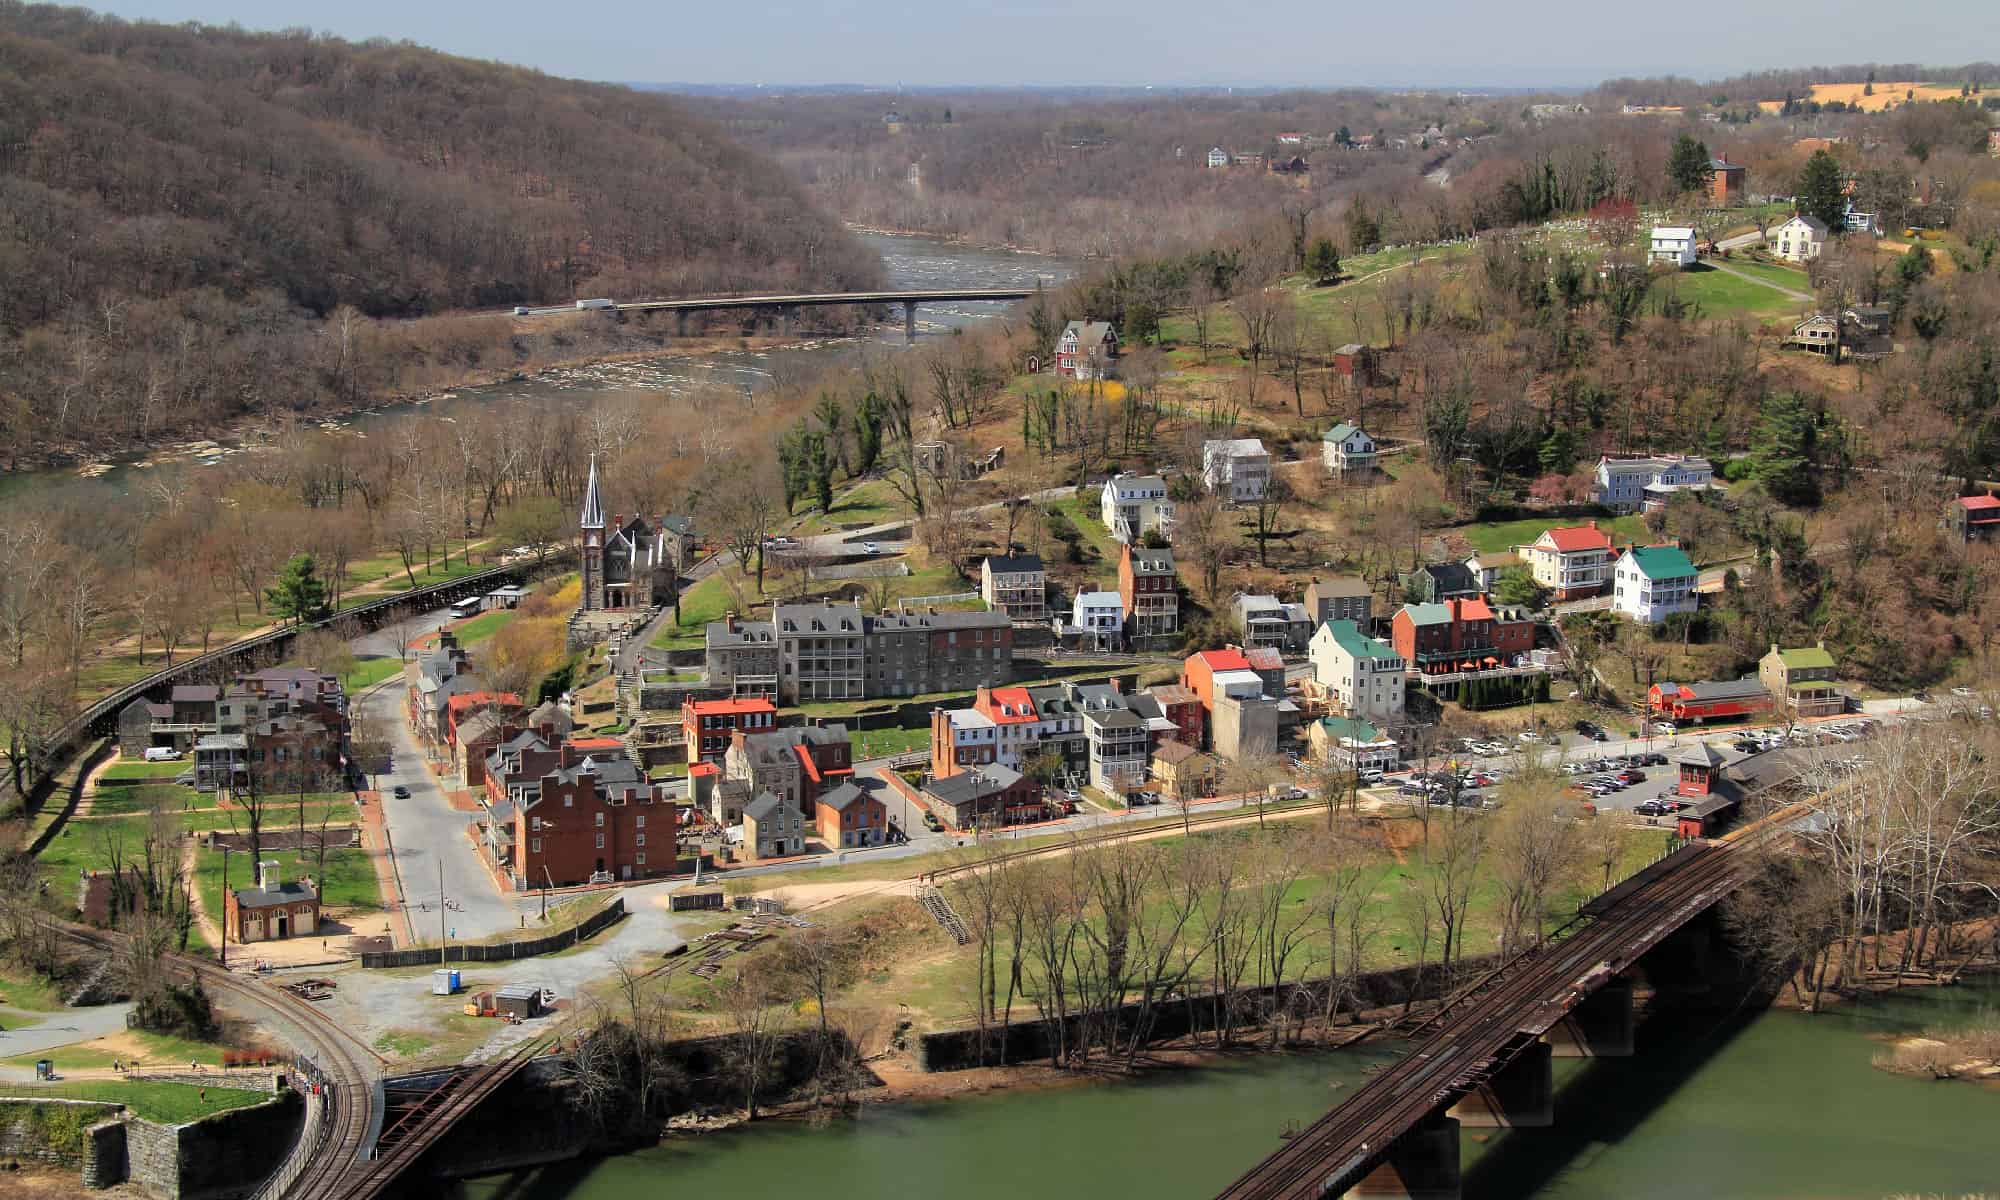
{"x": 642, "y": 821}
{"x": 600, "y": 820}
{"x": 600, "y": 841}
{"x": 534, "y": 845}
{"x": 641, "y": 840}
{"x": 569, "y": 802}
{"x": 642, "y": 860}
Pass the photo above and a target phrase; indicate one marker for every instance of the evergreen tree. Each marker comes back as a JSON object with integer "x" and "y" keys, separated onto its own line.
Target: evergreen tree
{"x": 1557, "y": 452}
{"x": 1782, "y": 448}
{"x": 867, "y": 433}
{"x": 299, "y": 593}
{"x": 1819, "y": 190}
{"x": 1323, "y": 262}
{"x": 1687, "y": 164}
{"x": 1342, "y": 137}
{"x": 1363, "y": 232}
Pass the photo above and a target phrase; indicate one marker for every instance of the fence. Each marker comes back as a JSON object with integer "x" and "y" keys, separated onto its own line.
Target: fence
{"x": 501, "y": 952}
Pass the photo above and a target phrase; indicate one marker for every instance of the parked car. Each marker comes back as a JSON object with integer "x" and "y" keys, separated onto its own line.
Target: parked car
{"x": 520, "y": 310}
{"x": 870, "y": 548}
{"x": 1370, "y": 775}
{"x": 931, "y": 822}
{"x": 400, "y": 792}
{"x": 161, "y": 754}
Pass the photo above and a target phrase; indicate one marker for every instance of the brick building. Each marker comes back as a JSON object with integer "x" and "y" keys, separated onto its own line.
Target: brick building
{"x": 709, "y": 725}
{"x": 591, "y": 819}
{"x": 850, "y": 816}
{"x": 273, "y": 910}
{"x": 1149, "y": 591}
{"x": 794, "y": 764}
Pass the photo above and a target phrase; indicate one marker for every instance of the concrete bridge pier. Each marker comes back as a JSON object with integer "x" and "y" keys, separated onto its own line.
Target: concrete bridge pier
{"x": 1521, "y": 1095}
{"x": 909, "y": 320}
{"x": 1422, "y": 1164}
{"x": 681, "y": 323}
{"x": 790, "y": 315}
{"x": 1599, "y": 1027}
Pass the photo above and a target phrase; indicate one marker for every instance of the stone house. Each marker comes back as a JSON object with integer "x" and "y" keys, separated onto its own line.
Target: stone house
{"x": 772, "y": 829}
{"x": 273, "y": 910}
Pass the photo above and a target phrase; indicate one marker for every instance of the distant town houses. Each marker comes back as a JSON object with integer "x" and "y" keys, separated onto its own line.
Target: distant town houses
{"x": 1149, "y": 595}
{"x": 1800, "y": 239}
{"x": 1362, "y": 675}
{"x": 1237, "y": 469}
{"x": 1631, "y": 484}
{"x": 1652, "y": 583}
{"x": 741, "y": 657}
{"x": 711, "y": 725}
{"x": 1434, "y": 583}
{"x": 795, "y": 763}
{"x": 1572, "y": 561}
{"x": 1267, "y": 621}
{"x": 569, "y": 813}
{"x": 1086, "y": 350}
{"x": 1340, "y": 598}
{"x": 1801, "y": 681}
{"x": 1015, "y": 585}
{"x": 1347, "y": 449}
{"x": 1218, "y": 159}
{"x": 281, "y": 727}
{"x": 1243, "y": 713}
{"x": 1973, "y": 518}
{"x": 1672, "y": 245}
{"x": 834, "y": 652}
{"x": 1132, "y": 506}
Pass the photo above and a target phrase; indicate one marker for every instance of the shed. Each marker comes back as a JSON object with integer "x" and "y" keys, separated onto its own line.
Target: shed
{"x": 518, "y": 1000}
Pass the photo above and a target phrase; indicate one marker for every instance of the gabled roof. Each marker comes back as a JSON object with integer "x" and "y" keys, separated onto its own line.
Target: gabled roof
{"x": 1264, "y": 658}
{"x": 194, "y": 693}
{"x": 1809, "y": 221}
{"x": 1451, "y": 576}
{"x": 763, "y": 808}
{"x": 1013, "y": 564}
{"x": 1677, "y": 233}
{"x": 1968, "y": 503}
{"x": 1701, "y": 754}
{"x": 1473, "y": 609}
{"x": 1571, "y": 538}
{"x": 1723, "y": 689}
{"x": 1236, "y": 447}
{"x": 1339, "y": 585}
{"x": 737, "y": 706}
{"x": 839, "y": 798}
{"x": 592, "y": 516}
{"x": 1806, "y": 657}
{"x": 1662, "y": 562}
{"x": 1090, "y": 332}
{"x": 1223, "y": 660}
{"x": 967, "y": 786}
{"x": 1348, "y": 636}
{"x": 1427, "y": 614}
{"x": 1347, "y": 729}
{"x": 1341, "y": 432}
{"x": 291, "y": 891}
{"x": 1173, "y": 752}
{"x": 1011, "y": 706}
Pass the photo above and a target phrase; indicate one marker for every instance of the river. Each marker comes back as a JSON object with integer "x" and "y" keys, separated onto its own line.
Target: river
{"x": 910, "y": 263}
{"x": 1758, "y": 1105}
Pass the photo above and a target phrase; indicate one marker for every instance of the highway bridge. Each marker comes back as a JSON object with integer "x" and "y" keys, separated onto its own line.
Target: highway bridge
{"x": 787, "y": 305}
{"x": 1483, "y": 1058}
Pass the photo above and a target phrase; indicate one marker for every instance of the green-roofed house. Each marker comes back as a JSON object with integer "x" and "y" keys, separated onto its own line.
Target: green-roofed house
{"x": 1802, "y": 680}
{"x": 1363, "y": 676}
{"x": 1354, "y": 745}
{"x": 1347, "y": 448}
{"x": 1651, "y": 583}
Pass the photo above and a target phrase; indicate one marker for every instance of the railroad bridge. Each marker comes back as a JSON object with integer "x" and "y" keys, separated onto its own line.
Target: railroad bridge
{"x": 1482, "y": 1059}
{"x": 786, "y": 306}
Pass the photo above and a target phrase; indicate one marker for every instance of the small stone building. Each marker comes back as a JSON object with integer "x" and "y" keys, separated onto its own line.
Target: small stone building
{"x": 273, "y": 910}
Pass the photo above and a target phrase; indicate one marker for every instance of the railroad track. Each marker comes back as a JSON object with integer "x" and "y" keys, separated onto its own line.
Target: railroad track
{"x": 1336, "y": 1151}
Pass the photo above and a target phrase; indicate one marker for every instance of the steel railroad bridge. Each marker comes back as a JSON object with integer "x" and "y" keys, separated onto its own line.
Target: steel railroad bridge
{"x": 786, "y": 306}
{"x": 1482, "y": 1059}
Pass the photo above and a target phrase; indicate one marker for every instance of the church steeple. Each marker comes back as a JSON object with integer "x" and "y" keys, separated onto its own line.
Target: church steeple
{"x": 593, "y": 504}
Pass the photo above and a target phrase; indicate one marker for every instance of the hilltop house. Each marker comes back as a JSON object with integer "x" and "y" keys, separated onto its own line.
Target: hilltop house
{"x": 1086, "y": 350}
{"x": 1800, "y": 239}
{"x": 1133, "y": 506}
{"x": 1652, "y": 583}
{"x": 1237, "y": 469}
{"x": 741, "y": 657}
{"x": 1099, "y": 620}
{"x": 1270, "y": 622}
{"x": 1435, "y": 583}
{"x": 1672, "y": 244}
{"x": 1017, "y": 585}
{"x": 1346, "y": 447}
{"x": 1627, "y": 484}
{"x": 1572, "y": 560}
{"x": 1341, "y": 598}
{"x": 1149, "y": 592}
{"x": 1218, "y": 158}
{"x": 1486, "y": 568}
{"x": 1973, "y": 518}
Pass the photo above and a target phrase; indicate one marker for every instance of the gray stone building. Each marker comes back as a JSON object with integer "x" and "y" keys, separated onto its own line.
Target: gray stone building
{"x": 833, "y": 652}
{"x": 742, "y": 657}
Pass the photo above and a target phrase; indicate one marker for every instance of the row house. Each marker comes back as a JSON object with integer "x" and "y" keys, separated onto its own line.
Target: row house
{"x": 710, "y": 725}
{"x": 1364, "y": 676}
{"x": 1002, "y": 725}
{"x": 1341, "y": 598}
{"x": 1237, "y": 469}
{"x": 1015, "y": 585}
{"x": 1652, "y": 583}
{"x": 1132, "y": 506}
{"x": 986, "y": 797}
{"x": 772, "y": 829}
{"x": 833, "y": 652}
{"x": 1628, "y": 484}
{"x": 1149, "y": 595}
{"x": 1182, "y": 710}
{"x": 741, "y": 657}
{"x": 466, "y": 708}
{"x": 711, "y": 792}
{"x": 1441, "y": 639}
{"x": 1270, "y": 622}
{"x": 1802, "y": 681}
{"x": 1059, "y": 727}
{"x": 430, "y": 680}
{"x": 586, "y": 818}
{"x": 1117, "y": 738}
{"x": 1097, "y": 620}
{"x": 1571, "y": 561}
{"x": 1513, "y": 631}
{"x": 794, "y": 764}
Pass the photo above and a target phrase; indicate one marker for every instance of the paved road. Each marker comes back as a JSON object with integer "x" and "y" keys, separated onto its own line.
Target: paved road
{"x": 59, "y": 1028}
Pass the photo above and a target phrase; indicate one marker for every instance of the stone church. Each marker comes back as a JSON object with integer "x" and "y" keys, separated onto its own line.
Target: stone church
{"x": 627, "y": 563}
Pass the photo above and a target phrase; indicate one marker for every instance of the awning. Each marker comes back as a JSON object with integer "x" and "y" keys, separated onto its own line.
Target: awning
{"x": 1492, "y": 662}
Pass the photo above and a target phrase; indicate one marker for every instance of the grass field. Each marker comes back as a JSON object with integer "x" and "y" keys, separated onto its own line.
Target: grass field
{"x": 368, "y": 672}
{"x": 159, "y": 1049}
{"x": 1496, "y": 536}
{"x": 870, "y": 502}
{"x": 125, "y": 772}
{"x": 484, "y": 626}
{"x": 349, "y": 882}
{"x": 1718, "y": 293}
{"x": 27, "y": 992}
{"x": 887, "y": 743}
{"x": 1084, "y": 512}
{"x": 706, "y": 601}
{"x": 167, "y": 1103}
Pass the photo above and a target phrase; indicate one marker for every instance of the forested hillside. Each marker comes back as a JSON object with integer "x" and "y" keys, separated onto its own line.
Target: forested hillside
{"x": 181, "y": 206}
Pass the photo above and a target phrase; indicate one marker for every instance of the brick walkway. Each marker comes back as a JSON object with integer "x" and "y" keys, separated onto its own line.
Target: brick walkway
{"x": 375, "y": 840}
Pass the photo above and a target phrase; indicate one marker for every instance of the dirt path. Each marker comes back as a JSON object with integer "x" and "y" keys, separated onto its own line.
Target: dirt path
{"x": 209, "y": 929}
{"x": 1729, "y": 270}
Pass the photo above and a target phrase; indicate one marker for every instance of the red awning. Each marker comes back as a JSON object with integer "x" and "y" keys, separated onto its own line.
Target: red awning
{"x": 1492, "y": 662}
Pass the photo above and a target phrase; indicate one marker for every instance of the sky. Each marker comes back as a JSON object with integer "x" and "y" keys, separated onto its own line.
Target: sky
{"x": 1309, "y": 43}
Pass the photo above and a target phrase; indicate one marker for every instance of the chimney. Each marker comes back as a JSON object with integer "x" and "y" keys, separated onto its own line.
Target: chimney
{"x": 267, "y": 875}
{"x": 982, "y": 697}
{"x": 1593, "y": 522}
{"x": 729, "y": 620}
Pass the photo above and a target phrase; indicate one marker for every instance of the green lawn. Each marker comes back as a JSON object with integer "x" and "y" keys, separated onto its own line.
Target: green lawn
{"x": 886, "y": 743}
{"x": 1718, "y": 293}
{"x": 83, "y": 844}
{"x": 141, "y": 797}
{"x": 1083, "y": 511}
{"x": 870, "y": 502}
{"x": 160, "y": 1049}
{"x": 167, "y": 1103}
{"x": 483, "y": 626}
{"x": 349, "y": 882}
{"x": 1783, "y": 276}
{"x": 23, "y": 990}
{"x": 368, "y": 672}
{"x": 1497, "y": 536}
{"x": 123, "y": 771}
{"x": 706, "y": 601}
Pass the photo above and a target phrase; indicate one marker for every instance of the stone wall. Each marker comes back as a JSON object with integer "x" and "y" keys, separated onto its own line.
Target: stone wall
{"x": 222, "y": 1157}
{"x": 104, "y": 1163}
{"x": 53, "y": 1131}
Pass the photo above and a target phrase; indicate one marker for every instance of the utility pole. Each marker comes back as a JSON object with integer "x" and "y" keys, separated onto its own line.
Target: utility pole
{"x": 222, "y": 952}
{"x": 444, "y": 947}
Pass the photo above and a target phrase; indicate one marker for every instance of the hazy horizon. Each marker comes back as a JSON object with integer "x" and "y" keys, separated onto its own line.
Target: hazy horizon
{"x": 1174, "y": 44}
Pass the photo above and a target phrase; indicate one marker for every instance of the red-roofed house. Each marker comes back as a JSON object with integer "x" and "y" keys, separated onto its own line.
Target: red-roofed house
{"x": 1973, "y": 518}
{"x": 1440, "y": 639}
{"x": 1001, "y": 726}
{"x": 1199, "y": 672}
{"x": 707, "y": 724}
{"x": 1570, "y": 560}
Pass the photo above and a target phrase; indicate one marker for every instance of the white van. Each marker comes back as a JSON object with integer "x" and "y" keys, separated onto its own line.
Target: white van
{"x": 161, "y": 754}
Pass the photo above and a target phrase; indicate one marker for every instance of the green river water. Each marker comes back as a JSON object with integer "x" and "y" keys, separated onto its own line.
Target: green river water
{"x": 1766, "y": 1105}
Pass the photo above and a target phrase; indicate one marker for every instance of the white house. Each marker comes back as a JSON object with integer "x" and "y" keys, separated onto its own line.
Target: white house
{"x": 1625, "y": 484}
{"x": 1363, "y": 674}
{"x": 1099, "y": 618}
{"x": 1238, "y": 469}
{"x": 1571, "y": 560}
{"x": 1135, "y": 505}
{"x": 1672, "y": 244}
{"x": 1651, "y": 583}
{"x": 1218, "y": 158}
{"x": 1799, "y": 239}
{"x": 1346, "y": 447}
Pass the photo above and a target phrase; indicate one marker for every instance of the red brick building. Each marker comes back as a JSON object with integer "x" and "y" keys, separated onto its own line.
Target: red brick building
{"x": 1710, "y": 701}
{"x": 708, "y": 724}
{"x": 1513, "y": 631}
{"x": 1181, "y": 706}
{"x": 272, "y": 910}
{"x": 1725, "y": 186}
{"x": 591, "y": 819}
{"x": 850, "y": 816}
{"x": 1198, "y": 673}
{"x": 1439, "y": 639}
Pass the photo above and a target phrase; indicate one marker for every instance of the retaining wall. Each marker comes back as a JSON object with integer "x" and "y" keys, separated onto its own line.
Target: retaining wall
{"x": 560, "y": 940}
{"x": 47, "y": 1131}
{"x": 1026, "y": 1041}
{"x": 222, "y": 1157}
